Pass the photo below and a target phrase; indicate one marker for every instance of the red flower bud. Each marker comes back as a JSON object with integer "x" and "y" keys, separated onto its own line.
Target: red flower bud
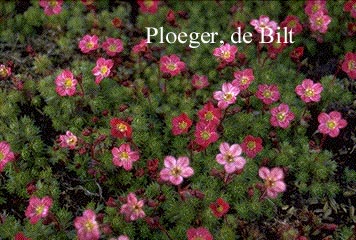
{"x": 297, "y": 54}
{"x": 111, "y": 202}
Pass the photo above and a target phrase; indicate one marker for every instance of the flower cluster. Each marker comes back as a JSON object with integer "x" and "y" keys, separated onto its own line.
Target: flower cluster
{"x": 318, "y": 15}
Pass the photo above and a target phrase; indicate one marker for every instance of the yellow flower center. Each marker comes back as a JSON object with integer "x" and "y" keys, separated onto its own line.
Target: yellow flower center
{"x": 269, "y": 182}
{"x": 90, "y": 45}
{"x": 1, "y": 156}
{"x": 39, "y": 209}
{"x": 315, "y": 8}
{"x": 3, "y": 72}
{"x": 267, "y": 94}
{"x": 220, "y": 208}
{"x": 276, "y": 44}
{"x": 171, "y": 66}
{"x": 103, "y": 70}
{"x": 228, "y": 96}
{"x": 53, "y": 3}
{"x": 309, "y": 92}
{"x": 331, "y": 124}
{"x": 225, "y": 54}
{"x": 124, "y": 155}
{"x": 112, "y": 47}
{"x": 205, "y": 135}
{"x": 89, "y": 226}
{"x": 251, "y": 145}
{"x": 122, "y": 127}
{"x": 68, "y": 83}
{"x": 176, "y": 171}
{"x": 229, "y": 158}
{"x": 319, "y": 21}
{"x": 148, "y": 3}
{"x": 182, "y": 125}
{"x": 281, "y": 116}
{"x": 244, "y": 80}
{"x": 71, "y": 141}
{"x": 352, "y": 65}
{"x": 209, "y": 116}
{"x": 292, "y": 24}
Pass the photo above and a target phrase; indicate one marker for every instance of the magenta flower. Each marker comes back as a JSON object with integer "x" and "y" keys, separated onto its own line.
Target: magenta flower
{"x": 251, "y": 146}
{"x": 273, "y": 178}
{"x": 172, "y": 65}
{"x": 349, "y": 65}
{"x": 113, "y": 46}
{"x": 292, "y": 23}
{"x": 268, "y": 93}
{"x": 243, "y": 79}
{"x": 205, "y": 134}
{"x": 89, "y": 43}
{"x": 87, "y": 227}
{"x": 140, "y": 47}
{"x": 6, "y": 155}
{"x": 132, "y": 209}
{"x": 65, "y": 83}
{"x": 51, "y": 7}
{"x": 319, "y": 22}
{"x": 281, "y": 116}
{"x": 200, "y": 82}
{"x": 181, "y": 124}
{"x": 148, "y": 6}
{"x": 225, "y": 53}
{"x": 69, "y": 140}
{"x": 38, "y": 208}
{"x": 124, "y": 156}
{"x": 102, "y": 69}
{"x": 227, "y": 96}
{"x": 350, "y": 6}
{"x": 199, "y": 233}
{"x": 314, "y": 6}
{"x": 210, "y": 114}
{"x": 230, "y": 158}
{"x": 176, "y": 170}
{"x": 331, "y": 123}
{"x": 264, "y": 24}
{"x": 309, "y": 91}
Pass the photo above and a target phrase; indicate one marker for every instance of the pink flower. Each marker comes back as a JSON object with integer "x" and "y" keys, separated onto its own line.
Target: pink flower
{"x": 87, "y": 227}
{"x": 69, "y": 140}
{"x": 6, "y": 155}
{"x": 123, "y": 237}
{"x": 65, "y": 83}
{"x": 309, "y": 91}
{"x": 331, "y": 123}
{"x": 113, "y": 46}
{"x": 181, "y": 124}
{"x": 140, "y": 47}
{"x": 21, "y": 236}
{"x": 276, "y": 47}
{"x": 268, "y": 93}
{"x": 38, "y": 208}
{"x": 227, "y": 96}
{"x": 176, "y": 170}
{"x": 230, "y": 157}
{"x": 225, "y": 53}
{"x": 349, "y": 65}
{"x": 315, "y": 6}
{"x": 200, "y": 82}
{"x": 102, "y": 69}
{"x": 148, "y": 6}
{"x": 243, "y": 79}
{"x": 273, "y": 180}
{"x": 292, "y": 23}
{"x": 120, "y": 128}
{"x": 89, "y": 43}
{"x": 51, "y": 7}
{"x": 133, "y": 208}
{"x": 200, "y": 233}
{"x": 220, "y": 207}
{"x": 251, "y": 146}
{"x": 319, "y": 22}
{"x": 205, "y": 134}
{"x": 172, "y": 65}
{"x": 124, "y": 157}
{"x": 350, "y": 6}
{"x": 264, "y": 24}
{"x": 281, "y": 116}
{"x": 4, "y": 71}
{"x": 210, "y": 114}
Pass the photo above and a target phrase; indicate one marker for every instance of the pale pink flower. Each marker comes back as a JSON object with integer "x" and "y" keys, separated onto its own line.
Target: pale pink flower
{"x": 69, "y": 140}
{"x": 113, "y": 46}
{"x": 102, "y": 69}
{"x": 6, "y": 155}
{"x": 225, "y": 53}
{"x": 87, "y": 227}
{"x": 315, "y": 6}
{"x": 89, "y": 43}
{"x": 123, "y": 237}
{"x": 319, "y": 22}
{"x": 268, "y": 93}
{"x": 132, "y": 209}
{"x": 309, "y": 91}
{"x": 172, "y": 65}
{"x": 230, "y": 157}
{"x": 243, "y": 79}
{"x": 264, "y": 24}
{"x": 331, "y": 123}
{"x": 65, "y": 83}
{"x": 281, "y": 116}
{"x": 51, "y": 7}
{"x": 273, "y": 179}
{"x": 38, "y": 208}
{"x": 140, "y": 47}
{"x": 227, "y": 96}
{"x": 124, "y": 156}
{"x": 176, "y": 170}
{"x": 200, "y": 81}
